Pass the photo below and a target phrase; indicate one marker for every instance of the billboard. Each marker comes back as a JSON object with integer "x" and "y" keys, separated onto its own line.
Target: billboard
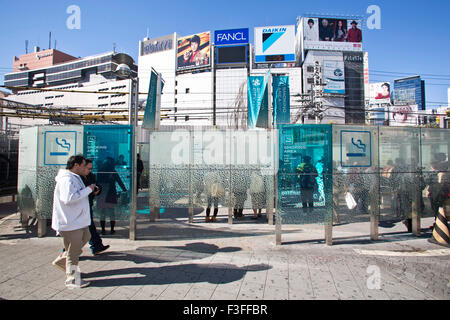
{"x": 333, "y": 76}
{"x": 194, "y": 51}
{"x": 380, "y": 92}
{"x": 226, "y": 55}
{"x": 156, "y": 45}
{"x": 231, "y": 36}
{"x": 331, "y": 34}
{"x": 406, "y": 115}
{"x": 275, "y": 44}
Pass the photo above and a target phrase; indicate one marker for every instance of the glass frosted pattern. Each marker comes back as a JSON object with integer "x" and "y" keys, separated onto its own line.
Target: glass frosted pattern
{"x": 304, "y": 179}
{"x": 400, "y": 179}
{"x": 205, "y": 168}
{"x": 435, "y": 145}
{"x": 355, "y": 173}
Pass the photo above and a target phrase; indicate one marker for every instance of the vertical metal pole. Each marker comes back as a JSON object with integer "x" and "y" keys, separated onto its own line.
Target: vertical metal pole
{"x": 417, "y": 191}
{"x": 191, "y": 161}
{"x": 375, "y": 205}
{"x": 132, "y": 119}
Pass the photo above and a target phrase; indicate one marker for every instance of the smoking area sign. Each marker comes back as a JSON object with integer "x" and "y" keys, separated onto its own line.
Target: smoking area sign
{"x": 356, "y": 148}
{"x": 59, "y": 146}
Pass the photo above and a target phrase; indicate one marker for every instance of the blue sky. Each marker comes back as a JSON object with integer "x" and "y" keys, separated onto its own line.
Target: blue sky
{"x": 413, "y": 39}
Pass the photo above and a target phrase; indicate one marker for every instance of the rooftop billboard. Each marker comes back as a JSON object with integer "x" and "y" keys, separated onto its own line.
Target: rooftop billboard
{"x": 231, "y": 36}
{"x": 380, "y": 92}
{"x": 194, "y": 51}
{"x": 275, "y": 44}
{"x": 331, "y": 34}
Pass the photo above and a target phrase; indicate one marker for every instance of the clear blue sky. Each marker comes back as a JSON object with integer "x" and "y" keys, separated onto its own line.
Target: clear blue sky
{"x": 414, "y": 35}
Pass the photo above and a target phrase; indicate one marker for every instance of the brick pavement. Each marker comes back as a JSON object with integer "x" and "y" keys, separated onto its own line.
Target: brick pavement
{"x": 229, "y": 262}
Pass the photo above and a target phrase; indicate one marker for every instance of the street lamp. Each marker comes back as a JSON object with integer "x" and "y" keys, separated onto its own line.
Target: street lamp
{"x": 123, "y": 71}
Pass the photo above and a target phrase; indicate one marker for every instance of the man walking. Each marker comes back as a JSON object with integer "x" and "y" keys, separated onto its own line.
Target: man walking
{"x": 96, "y": 243}
{"x": 71, "y": 217}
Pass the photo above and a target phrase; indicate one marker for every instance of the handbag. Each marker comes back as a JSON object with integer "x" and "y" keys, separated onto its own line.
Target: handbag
{"x": 351, "y": 203}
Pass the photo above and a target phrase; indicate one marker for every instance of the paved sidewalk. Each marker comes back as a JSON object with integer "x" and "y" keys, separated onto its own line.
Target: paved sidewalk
{"x": 229, "y": 262}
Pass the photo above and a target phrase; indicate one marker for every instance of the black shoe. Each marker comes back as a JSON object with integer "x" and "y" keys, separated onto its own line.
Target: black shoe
{"x": 103, "y": 232}
{"x": 101, "y": 250}
{"x": 112, "y": 231}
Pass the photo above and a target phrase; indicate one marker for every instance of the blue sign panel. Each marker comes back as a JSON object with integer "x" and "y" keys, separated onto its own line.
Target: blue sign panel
{"x": 232, "y": 36}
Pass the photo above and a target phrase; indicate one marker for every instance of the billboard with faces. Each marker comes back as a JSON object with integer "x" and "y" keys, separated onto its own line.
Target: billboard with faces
{"x": 194, "y": 51}
{"x": 337, "y": 34}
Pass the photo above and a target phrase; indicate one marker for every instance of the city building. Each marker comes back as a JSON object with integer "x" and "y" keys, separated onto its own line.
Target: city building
{"x": 410, "y": 90}
{"x": 81, "y": 85}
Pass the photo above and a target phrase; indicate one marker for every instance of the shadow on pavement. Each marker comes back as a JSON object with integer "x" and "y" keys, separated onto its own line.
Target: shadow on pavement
{"x": 219, "y": 273}
{"x": 164, "y": 254}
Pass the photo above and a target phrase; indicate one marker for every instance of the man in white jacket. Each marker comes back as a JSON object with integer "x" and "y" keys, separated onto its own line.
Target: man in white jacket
{"x": 71, "y": 217}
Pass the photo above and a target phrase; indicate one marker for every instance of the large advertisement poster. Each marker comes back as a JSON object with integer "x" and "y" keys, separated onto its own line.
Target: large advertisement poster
{"x": 275, "y": 44}
{"x": 333, "y": 76}
{"x": 406, "y": 115}
{"x": 332, "y": 34}
{"x": 194, "y": 51}
{"x": 380, "y": 92}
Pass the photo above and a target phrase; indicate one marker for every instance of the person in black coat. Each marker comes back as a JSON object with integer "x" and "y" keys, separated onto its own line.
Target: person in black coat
{"x": 96, "y": 243}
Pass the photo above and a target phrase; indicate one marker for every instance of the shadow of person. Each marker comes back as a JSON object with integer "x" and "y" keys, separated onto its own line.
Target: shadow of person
{"x": 220, "y": 273}
{"x": 164, "y": 254}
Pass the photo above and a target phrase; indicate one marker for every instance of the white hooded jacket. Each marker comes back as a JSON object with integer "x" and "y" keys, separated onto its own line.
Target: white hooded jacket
{"x": 70, "y": 203}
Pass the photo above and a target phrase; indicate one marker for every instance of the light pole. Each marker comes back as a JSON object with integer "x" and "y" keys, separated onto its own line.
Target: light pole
{"x": 123, "y": 71}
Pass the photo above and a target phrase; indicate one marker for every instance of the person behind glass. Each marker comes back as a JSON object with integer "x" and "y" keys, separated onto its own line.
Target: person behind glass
{"x": 140, "y": 169}
{"x": 240, "y": 186}
{"x": 71, "y": 218}
{"x": 214, "y": 190}
{"x": 193, "y": 56}
{"x": 354, "y": 34}
{"x": 340, "y": 34}
{"x": 308, "y": 183}
{"x": 437, "y": 184}
{"x": 325, "y": 31}
{"x": 96, "y": 243}
{"x": 107, "y": 201}
{"x": 257, "y": 193}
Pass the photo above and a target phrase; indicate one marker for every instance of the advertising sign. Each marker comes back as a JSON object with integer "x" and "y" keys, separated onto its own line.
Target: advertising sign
{"x": 380, "y": 92}
{"x": 281, "y": 99}
{"x": 226, "y": 55}
{"x": 232, "y": 36}
{"x": 157, "y": 45}
{"x": 332, "y": 34}
{"x": 258, "y": 102}
{"x": 275, "y": 44}
{"x": 400, "y": 116}
{"x": 334, "y": 77}
{"x": 194, "y": 51}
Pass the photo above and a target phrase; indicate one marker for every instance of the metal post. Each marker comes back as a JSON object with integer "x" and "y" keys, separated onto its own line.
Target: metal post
{"x": 132, "y": 120}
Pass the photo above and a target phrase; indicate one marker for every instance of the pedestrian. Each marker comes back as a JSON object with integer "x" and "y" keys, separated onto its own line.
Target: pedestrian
{"x": 239, "y": 187}
{"x": 107, "y": 201}
{"x": 96, "y": 243}
{"x": 308, "y": 183}
{"x": 214, "y": 190}
{"x": 71, "y": 218}
{"x": 140, "y": 169}
{"x": 257, "y": 193}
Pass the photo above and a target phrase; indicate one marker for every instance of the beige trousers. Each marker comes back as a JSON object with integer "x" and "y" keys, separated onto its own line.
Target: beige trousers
{"x": 74, "y": 241}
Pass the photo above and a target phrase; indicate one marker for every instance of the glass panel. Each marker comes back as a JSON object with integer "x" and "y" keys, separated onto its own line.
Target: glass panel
{"x": 401, "y": 185}
{"x": 304, "y": 180}
{"x": 27, "y": 179}
{"x": 355, "y": 173}
{"x": 435, "y": 145}
{"x": 109, "y": 147}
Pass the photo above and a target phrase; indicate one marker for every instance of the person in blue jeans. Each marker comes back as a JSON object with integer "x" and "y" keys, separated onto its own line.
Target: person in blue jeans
{"x": 96, "y": 243}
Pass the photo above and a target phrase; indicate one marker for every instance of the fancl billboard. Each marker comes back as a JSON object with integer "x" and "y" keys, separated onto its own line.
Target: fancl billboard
{"x": 232, "y": 36}
{"x": 275, "y": 44}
